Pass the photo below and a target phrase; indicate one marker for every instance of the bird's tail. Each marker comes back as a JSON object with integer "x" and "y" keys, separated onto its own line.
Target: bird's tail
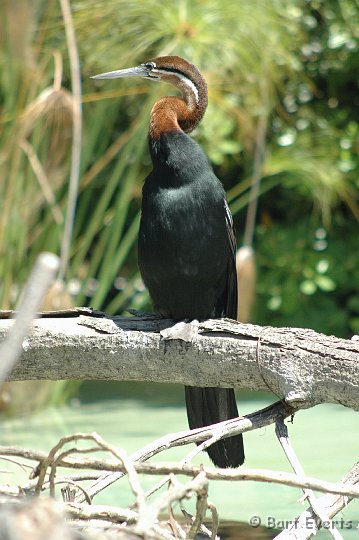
{"x": 206, "y": 406}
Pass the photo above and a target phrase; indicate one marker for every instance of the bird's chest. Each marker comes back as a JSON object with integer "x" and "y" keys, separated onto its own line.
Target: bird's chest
{"x": 182, "y": 228}
{"x": 175, "y": 215}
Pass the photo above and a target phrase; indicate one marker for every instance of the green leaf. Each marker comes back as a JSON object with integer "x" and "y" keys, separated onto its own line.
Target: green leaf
{"x": 308, "y": 287}
{"x": 325, "y": 283}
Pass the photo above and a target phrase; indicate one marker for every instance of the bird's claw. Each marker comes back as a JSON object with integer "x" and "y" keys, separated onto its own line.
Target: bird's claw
{"x": 183, "y": 331}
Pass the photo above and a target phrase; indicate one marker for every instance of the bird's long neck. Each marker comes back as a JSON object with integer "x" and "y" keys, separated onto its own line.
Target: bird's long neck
{"x": 180, "y": 113}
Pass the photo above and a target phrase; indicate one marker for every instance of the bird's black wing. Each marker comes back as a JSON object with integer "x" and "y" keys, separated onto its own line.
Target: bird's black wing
{"x": 232, "y": 289}
{"x": 206, "y": 406}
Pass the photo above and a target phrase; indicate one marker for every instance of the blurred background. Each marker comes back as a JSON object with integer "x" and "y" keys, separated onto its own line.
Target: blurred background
{"x": 281, "y": 131}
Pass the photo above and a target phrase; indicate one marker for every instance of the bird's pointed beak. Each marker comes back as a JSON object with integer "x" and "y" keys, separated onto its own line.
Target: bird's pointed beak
{"x": 139, "y": 71}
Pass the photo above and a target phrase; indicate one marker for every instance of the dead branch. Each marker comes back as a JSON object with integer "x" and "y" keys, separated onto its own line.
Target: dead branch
{"x": 165, "y": 468}
{"x": 282, "y": 435}
{"x": 299, "y": 365}
{"x": 98, "y": 511}
{"x": 261, "y": 418}
{"x": 307, "y": 525}
{"x": 143, "y": 520}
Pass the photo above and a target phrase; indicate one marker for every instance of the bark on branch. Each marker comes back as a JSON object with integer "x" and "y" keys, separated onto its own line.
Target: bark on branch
{"x": 301, "y": 366}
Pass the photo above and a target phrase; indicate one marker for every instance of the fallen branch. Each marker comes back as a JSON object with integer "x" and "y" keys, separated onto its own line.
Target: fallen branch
{"x": 307, "y": 525}
{"x": 142, "y": 516}
{"x": 236, "y": 475}
{"x": 159, "y": 469}
{"x": 256, "y": 420}
{"x": 301, "y": 366}
{"x": 282, "y": 435}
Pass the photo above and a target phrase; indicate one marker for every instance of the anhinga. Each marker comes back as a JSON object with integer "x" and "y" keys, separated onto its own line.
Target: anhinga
{"x": 186, "y": 242}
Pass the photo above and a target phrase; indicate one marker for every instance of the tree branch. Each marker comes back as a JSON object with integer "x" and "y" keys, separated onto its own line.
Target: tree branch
{"x": 143, "y": 514}
{"x": 301, "y": 366}
{"x": 307, "y": 525}
{"x": 282, "y": 435}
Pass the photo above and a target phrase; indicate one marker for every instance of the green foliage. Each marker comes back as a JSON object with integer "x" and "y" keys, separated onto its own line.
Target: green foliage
{"x": 309, "y": 276}
{"x": 290, "y": 62}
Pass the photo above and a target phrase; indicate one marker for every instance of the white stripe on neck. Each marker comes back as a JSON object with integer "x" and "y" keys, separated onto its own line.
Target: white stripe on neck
{"x": 184, "y": 79}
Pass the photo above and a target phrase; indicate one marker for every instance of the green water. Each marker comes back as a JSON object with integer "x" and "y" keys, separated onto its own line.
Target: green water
{"x": 325, "y": 438}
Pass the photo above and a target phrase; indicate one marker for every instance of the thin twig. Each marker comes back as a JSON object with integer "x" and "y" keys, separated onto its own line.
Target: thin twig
{"x": 56, "y": 461}
{"x": 154, "y": 488}
{"x": 215, "y": 519}
{"x": 107, "y": 513}
{"x": 53, "y": 463}
{"x": 261, "y": 418}
{"x": 175, "y": 494}
{"x": 178, "y": 531}
{"x": 50, "y": 458}
{"x": 201, "y": 447}
{"x": 243, "y": 474}
{"x": 307, "y": 525}
{"x": 71, "y": 478}
{"x": 166, "y": 468}
{"x": 77, "y": 486}
{"x": 41, "y": 277}
{"x": 76, "y": 137}
{"x": 23, "y": 466}
{"x": 130, "y": 470}
{"x": 203, "y": 529}
{"x": 201, "y": 507}
{"x": 282, "y": 434}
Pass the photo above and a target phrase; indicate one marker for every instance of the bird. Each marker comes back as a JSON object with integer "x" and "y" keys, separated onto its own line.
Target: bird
{"x": 186, "y": 244}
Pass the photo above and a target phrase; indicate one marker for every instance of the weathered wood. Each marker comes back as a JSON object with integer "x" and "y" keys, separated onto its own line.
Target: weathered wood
{"x": 300, "y": 365}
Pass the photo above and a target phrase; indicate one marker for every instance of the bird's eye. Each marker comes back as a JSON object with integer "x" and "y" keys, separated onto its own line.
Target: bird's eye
{"x": 149, "y": 65}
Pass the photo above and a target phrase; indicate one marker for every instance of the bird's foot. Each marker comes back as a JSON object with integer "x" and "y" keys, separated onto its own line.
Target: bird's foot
{"x": 184, "y": 331}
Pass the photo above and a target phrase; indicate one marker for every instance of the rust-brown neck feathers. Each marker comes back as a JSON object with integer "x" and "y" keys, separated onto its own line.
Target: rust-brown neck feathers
{"x": 175, "y": 113}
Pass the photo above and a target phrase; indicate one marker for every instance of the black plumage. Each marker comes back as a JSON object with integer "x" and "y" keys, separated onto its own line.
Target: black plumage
{"x": 186, "y": 242}
{"x": 187, "y": 261}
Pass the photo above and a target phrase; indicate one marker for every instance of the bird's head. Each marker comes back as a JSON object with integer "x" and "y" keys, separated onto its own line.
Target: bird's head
{"x": 170, "y": 69}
